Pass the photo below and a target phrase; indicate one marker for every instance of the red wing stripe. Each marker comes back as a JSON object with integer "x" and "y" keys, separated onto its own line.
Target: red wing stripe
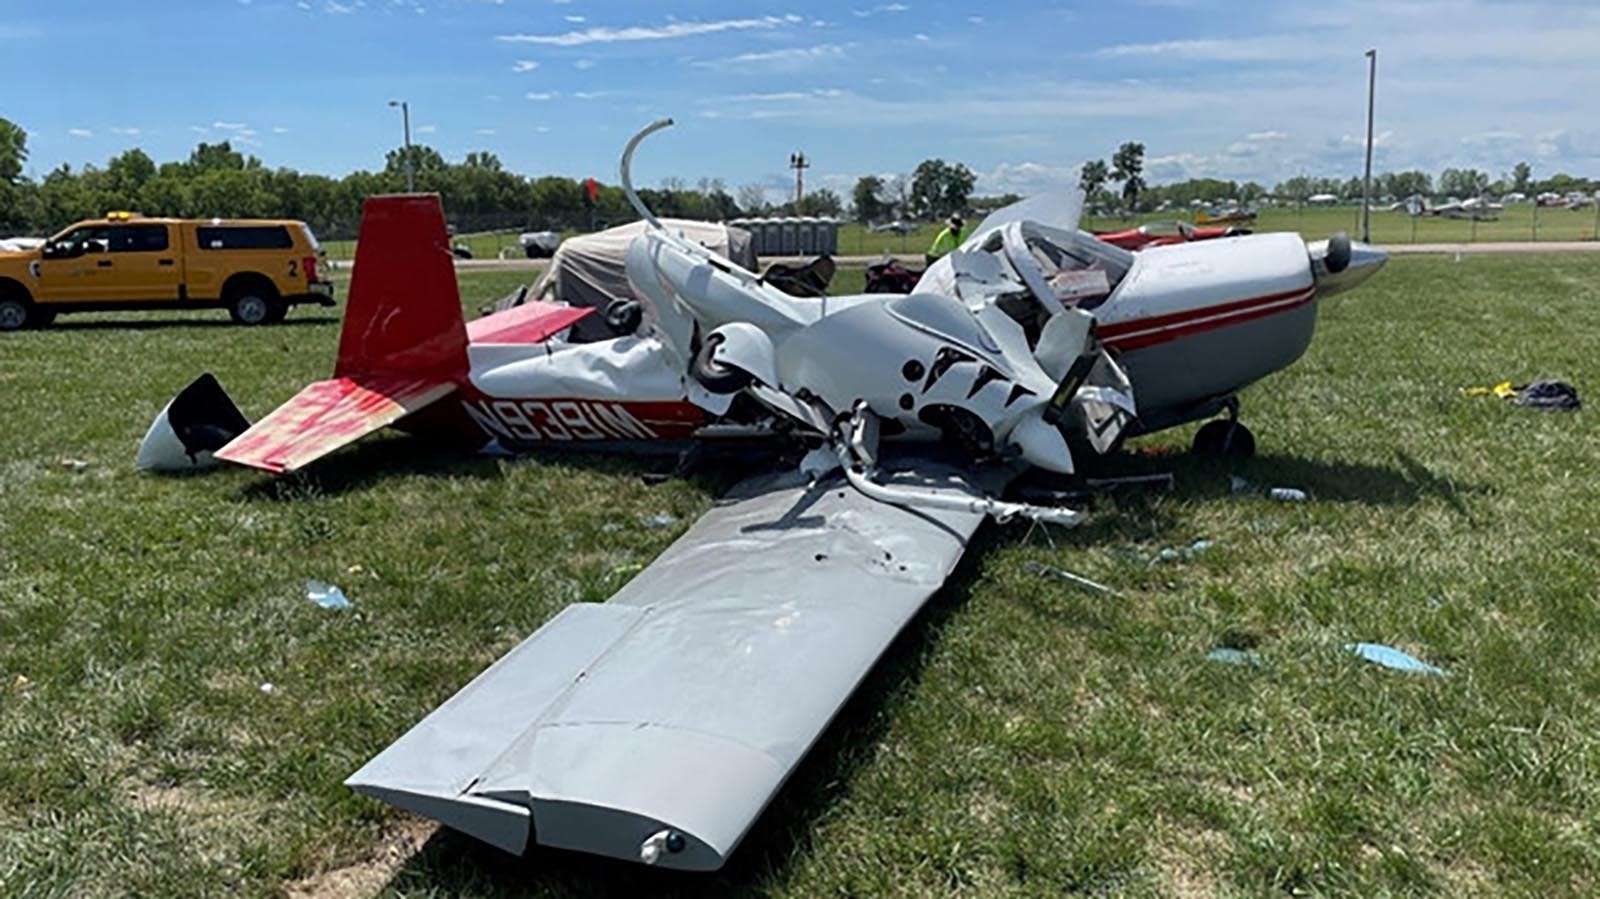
{"x": 1117, "y": 329}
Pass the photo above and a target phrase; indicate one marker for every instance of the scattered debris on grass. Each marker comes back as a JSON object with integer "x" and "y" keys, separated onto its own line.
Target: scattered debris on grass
{"x": 326, "y": 595}
{"x": 628, "y": 570}
{"x": 269, "y": 688}
{"x": 1163, "y": 481}
{"x": 660, "y": 520}
{"x": 76, "y": 466}
{"x": 1237, "y": 484}
{"x": 1171, "y": 554}
{"x": 1548, "y": 394}
{"x": 1228, "y": 655}
{"x": 19, "y": 685}
{"x": 610, "y": 527}
{"x": 1074, "y": 579}
{"x": 1394, "y": 659}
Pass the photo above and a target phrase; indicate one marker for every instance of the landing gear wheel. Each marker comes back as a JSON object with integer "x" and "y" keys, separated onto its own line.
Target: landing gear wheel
{"x": 250, "y": 308}
{"x": 713, "y": 375}
{"x": 1224, "y": 438}
{"x": 14, "y": 314}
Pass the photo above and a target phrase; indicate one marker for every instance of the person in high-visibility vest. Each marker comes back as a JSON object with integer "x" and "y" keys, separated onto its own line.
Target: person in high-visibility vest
{"x": 947, "y": 240}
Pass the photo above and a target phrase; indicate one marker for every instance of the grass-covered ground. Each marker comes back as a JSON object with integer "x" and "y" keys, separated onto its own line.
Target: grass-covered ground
{"x": 1021, "y": 738}
{"x": 1519, "y": 222}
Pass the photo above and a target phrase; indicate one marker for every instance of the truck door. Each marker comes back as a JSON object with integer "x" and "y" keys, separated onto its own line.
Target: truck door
{"x": 75, "y": 266}
{"x": 145, "y": 262}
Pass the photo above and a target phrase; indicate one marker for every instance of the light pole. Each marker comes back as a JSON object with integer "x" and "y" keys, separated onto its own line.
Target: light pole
{"x": 1366, "y": 190}
{"x": 405, "y": 118}
{"x": 799, "y": 163}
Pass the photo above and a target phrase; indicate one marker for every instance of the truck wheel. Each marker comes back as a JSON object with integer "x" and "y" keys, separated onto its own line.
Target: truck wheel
{"x": 14, "y": 314}
{"x": 251, "y": 306}
{"x": 277, "y": 311}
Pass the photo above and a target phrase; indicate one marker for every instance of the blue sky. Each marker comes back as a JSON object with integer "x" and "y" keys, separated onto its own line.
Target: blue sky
{"x": 1022, "y": 93}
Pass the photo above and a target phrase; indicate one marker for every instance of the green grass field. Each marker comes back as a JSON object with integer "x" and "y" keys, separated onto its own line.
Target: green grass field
{"x": 1516, "y": 223}
{"x": 1021, "y": 738}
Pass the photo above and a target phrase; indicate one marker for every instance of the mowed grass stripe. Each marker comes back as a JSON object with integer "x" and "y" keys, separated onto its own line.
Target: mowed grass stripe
{"x": 1021, "y": 738}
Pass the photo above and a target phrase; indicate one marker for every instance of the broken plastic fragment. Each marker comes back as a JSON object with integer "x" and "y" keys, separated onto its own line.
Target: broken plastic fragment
{"x": 1287, "y": 495}
{"x": 326, "y": 595}
{"x": 20, "y": 684}
{"x": 76, "y": 466}
{"x": 661, "y": 520}
{"x": 268, "y": 688}
{"x": 1230, "y": 656}
{"x": 1392, "y": 658}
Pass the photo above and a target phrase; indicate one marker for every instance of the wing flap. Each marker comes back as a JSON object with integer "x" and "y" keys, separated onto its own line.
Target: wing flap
{"x": 327, "y": 415}
{"x": 724, "y": 661}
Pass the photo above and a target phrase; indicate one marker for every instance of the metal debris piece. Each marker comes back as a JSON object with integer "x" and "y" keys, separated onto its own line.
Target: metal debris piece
{"x": 1075, "y": 579}
{"x": 326, "y": 595}
{"x": 1228, "y": 655}
{"x": 1394, "y": 659}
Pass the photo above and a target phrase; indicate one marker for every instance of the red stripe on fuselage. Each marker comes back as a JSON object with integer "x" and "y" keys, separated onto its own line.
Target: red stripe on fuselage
{"x": 1116, "y": 329}
{"x": 1145, "y": 332}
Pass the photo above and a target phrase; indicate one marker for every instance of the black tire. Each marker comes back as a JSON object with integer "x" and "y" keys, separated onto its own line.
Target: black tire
{"x": 714, "y": 376}
{"x": 16, "y": 313}
{"x": 277, "y": 311}
{"x": 1223, "y": 439}
{"x": 251, "y": 303}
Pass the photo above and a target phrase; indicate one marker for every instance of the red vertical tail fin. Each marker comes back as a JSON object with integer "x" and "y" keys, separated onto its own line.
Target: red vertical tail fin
{"x": 403, "y": 316}
{"x": 403, "y": 347}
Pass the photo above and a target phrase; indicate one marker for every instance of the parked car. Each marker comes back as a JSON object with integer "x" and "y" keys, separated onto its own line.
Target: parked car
{"x": 539, "y": 244}
{"x": 254, "y": 268}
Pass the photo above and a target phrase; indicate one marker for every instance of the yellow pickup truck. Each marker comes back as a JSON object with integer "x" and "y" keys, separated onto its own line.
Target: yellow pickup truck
{"x": 255, "y": 269}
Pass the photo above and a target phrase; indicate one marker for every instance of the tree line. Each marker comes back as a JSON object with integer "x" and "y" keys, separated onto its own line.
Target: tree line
{"x": 218, "y": 180}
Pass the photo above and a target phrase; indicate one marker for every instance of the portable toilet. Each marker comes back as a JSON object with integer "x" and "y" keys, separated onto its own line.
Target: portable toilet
{"x": 790, "y": 229}
{"x": 807, "y": 227}
{"x": 828, "y": 236}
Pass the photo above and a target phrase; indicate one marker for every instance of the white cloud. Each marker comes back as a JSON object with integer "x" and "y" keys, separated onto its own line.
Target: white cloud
{"x": 1025, "y": 178}
{"x": 524, "y": 65}
{"x": 485, "y": 132}
{"x": 427, "y": 129}
{"x": 541, "y": 95}
{"x": 576, "y": 20}
{"x": 279, "y": 129}
{"x": 1259, "y": 136}
{"x": 787, "y": 56}
{"x": 583, "y": 64}
{"x": 590, "y": 95}
{"x": 126, "y": 132}
{"x": 80, "y": 132}
{"x": 229, "y": 126}
{"x": 880, "y": 8}
{"x": 669, "y": 31}
{"x": 338, "y": 8}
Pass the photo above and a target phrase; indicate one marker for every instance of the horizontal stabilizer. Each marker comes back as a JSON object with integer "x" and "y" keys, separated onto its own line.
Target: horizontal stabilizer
{"x": 327, "y": 415}
{"x": 531, "y": 322}
{"x": 657, "y": 726}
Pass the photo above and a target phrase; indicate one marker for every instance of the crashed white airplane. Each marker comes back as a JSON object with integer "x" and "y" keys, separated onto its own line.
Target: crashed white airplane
{"x": 655, "y": 727}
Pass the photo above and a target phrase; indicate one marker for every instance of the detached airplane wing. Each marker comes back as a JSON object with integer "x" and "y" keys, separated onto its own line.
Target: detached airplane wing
{"x": 658, "y": 725}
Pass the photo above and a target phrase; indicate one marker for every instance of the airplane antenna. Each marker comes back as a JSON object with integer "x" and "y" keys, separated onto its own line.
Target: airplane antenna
{"x": 627, "y": 166}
